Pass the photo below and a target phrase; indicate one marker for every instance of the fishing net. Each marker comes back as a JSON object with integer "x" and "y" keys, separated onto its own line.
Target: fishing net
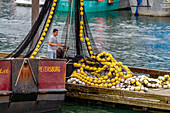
{"x": 72, "y": 32}
{"x": 26, "y": 45}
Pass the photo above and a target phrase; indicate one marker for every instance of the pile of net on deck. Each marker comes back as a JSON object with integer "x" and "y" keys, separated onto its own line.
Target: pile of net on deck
{"x": 102, "y": 70}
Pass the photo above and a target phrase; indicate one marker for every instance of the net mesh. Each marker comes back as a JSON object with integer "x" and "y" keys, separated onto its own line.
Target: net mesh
{"x": 73, "y": 36}
{"x": 26, "y": 44}
{"x": 70, "y": 36}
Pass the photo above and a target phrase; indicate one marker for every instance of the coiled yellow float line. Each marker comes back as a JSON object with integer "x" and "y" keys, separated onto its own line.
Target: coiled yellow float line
{"x": 107, "y": 60}
{"x": 49, "y": 20}
{"x": 104, "y": 71}
{"x": 107, "y": 72}
{"x": 82, "y": 28}
{"x": 113, "y": 69}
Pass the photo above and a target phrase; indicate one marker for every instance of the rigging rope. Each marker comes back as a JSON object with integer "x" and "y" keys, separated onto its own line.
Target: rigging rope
{"x": 45, "y": 30}
{"x": 30, "y": 36}
{"x": 68, "y": 28}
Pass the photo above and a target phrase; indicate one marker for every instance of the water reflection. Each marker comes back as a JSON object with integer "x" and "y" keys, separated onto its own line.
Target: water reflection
{"x": 136, "y": 41}
{"x": 77, "y": 107}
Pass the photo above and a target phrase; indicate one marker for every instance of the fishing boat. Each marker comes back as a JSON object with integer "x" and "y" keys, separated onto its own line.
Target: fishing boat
{"x": 90, "y": 5}
{"x": 32, "y": 85}
{"x": 24, "y": 79}
{"x": 150, "y": 7}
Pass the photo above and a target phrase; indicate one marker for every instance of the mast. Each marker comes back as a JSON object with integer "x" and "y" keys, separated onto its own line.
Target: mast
{"x": 35, "y": 14}
{"x": 77, "y": 26}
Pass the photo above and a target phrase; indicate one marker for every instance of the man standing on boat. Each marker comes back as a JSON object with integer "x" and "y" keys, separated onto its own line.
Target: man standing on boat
{"x": 53, "y": 44}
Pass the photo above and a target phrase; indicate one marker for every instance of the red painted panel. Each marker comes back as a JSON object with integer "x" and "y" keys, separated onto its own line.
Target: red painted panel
{"x": 5, "y": 75}
{"x": 52, "y": 74}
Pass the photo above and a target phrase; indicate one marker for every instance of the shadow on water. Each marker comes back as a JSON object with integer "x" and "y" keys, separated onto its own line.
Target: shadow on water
{"x": 74, "y": 105}
{"x": 81, "y": 107}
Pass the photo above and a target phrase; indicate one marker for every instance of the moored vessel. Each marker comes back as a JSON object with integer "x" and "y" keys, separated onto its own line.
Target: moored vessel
{"x": 150, "y": 7}
{"x": 28, "y": 2}
{"x": 90, "y": 6}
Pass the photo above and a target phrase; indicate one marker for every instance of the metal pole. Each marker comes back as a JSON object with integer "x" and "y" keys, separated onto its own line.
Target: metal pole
{"x": 148, "y": 3}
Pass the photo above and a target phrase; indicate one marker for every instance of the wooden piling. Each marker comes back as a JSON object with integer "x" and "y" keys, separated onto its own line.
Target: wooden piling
{"x": 35, "y": 14}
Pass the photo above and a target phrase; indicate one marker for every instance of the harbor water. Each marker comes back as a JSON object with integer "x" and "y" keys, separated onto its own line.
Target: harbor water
{"x": 136, "y": 41}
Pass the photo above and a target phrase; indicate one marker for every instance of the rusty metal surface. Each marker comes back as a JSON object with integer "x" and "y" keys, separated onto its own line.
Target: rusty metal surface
{"x": 25, "y": 76}
{"x": 52, "y": 74}
{"x": 5, "y": 75}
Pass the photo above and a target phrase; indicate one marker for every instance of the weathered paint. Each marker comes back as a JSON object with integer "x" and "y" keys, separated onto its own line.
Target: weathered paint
{"x": 5, "y": 75}
{"x": 52, "y": 74}
{"x": 23, "y": 73}
{"x": 24, "y": 94}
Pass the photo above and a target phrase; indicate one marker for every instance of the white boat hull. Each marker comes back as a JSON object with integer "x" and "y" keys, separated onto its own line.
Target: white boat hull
{"x": 151, "y": 7}
{"x": 28, "y": 2}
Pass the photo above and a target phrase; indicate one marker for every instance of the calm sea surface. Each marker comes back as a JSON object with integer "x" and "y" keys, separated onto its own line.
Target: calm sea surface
{"x": 136, "y": 41}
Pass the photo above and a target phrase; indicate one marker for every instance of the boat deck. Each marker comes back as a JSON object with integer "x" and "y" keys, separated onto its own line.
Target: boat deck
{"x": 158, "y": 99}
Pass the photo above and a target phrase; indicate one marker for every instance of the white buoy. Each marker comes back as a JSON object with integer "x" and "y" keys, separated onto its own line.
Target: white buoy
{"x": 127, "y": 89}
{"x": 156, "y": 85}
{"x": 149, "y": 85}
{"x": 160, "y": 86}
{"x": 123, "y": 89}
{"x": 80, "y": 82}
{"x": 142, "y": 88}
{"x": 78, "y": 71}
{"x": 74, "y": 82}
{"x": 77, "y": 80}
{"x": 69, "y": 81}
{"x": 153, "y": 85}
{"x": 137, "y": 79}
{"x": 168, "y": 85}
{"x": 146, "y": 89}
{"x": 113, "y": 87}
{"x": 122, "y": 80}
{"x": 132, "y": 88}
{"x": 83, "y": 83}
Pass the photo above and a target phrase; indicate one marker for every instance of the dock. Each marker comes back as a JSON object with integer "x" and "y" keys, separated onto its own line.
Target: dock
{"x": 153, "y": 99}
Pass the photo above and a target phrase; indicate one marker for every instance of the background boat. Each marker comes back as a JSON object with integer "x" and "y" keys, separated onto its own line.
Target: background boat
{"x": 150, "y": 7}
{"x": 90, "y": 5}
{"x": 28, "y": 2}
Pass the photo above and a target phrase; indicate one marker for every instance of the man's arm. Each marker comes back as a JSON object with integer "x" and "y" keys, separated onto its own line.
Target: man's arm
{"x": 58, "y": 44}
